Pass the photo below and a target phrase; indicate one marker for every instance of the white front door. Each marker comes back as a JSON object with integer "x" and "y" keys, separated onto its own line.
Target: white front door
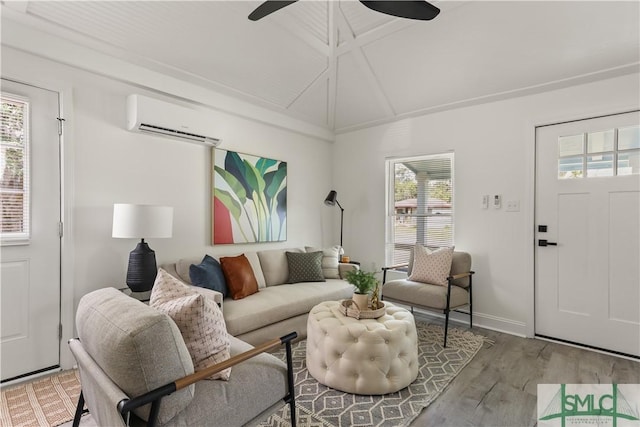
{"x": 587, "y": 270}
{"x": 30, "y": 236}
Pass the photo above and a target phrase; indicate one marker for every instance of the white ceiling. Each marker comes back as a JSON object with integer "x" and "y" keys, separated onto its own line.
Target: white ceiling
{"x": 342, "y": 66}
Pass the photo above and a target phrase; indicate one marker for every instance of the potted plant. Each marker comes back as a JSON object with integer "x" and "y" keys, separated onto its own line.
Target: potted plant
{"x": 364, "y": 282}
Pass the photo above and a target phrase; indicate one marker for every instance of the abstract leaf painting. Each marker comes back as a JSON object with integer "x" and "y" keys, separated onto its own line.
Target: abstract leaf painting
{"x": 249, "y": 198}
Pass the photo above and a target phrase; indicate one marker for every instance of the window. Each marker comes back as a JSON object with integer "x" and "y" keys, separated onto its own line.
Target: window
{"x": 14, "y": 161}
{"x": 419, "y": 204}
{"x": 612, "y": 152}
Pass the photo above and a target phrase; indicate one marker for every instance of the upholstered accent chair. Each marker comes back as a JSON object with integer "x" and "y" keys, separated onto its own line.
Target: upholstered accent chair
{"x": 453, "y": 291}
{"x": 135, "y": 369}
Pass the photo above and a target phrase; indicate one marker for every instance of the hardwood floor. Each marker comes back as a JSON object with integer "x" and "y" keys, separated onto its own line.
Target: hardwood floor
{"x": 499, "y": 386}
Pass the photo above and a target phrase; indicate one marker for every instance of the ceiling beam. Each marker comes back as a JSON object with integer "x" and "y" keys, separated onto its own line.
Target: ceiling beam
{"x": 374, "y": 35}
{"x": 364, "y": 66}
{"x": 332, "y": 69}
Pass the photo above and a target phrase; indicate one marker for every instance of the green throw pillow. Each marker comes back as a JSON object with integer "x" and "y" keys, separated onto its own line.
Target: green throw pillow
{"x": 305, "y": 267}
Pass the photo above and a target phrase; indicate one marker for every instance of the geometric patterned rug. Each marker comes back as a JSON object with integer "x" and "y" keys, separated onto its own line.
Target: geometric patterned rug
{"x": 320, "y": 406}
{"x": 48, "y": 401}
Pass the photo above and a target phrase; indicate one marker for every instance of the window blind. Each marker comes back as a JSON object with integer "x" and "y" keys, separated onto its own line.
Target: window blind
{"x": 420, "y": 210}
{"x": 14, "y": 188}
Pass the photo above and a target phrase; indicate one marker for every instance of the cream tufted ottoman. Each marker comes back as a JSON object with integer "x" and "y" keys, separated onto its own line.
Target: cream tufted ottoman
{"x": 368, "y": 356}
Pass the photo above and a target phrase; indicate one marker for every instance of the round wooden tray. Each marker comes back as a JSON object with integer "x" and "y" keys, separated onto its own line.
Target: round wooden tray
{"x": 349, "y": 308}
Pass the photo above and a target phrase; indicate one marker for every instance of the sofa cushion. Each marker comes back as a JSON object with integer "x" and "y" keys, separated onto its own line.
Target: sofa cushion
{"x": 330, "y": 261}
{"x": 208, "y": 274}
{"x": 199, "y": 319}
{"x": 305, "y": 267}
{"x": 183, "y": 265}
{"x": 138, "y": 347}
{"x": 275, "y": 266}
{"x": 431, "y": 267}
{"x": 239, "y": 276}
{"x": 276, "y": 303}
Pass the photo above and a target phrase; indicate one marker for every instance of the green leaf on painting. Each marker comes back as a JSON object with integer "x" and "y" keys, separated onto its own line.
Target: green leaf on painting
{"x": 233, "y": 182}
{"x": 229, "y": 202}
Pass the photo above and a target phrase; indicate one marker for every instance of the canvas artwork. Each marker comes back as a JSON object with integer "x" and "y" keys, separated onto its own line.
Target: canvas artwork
{"x": 249, "y": 198}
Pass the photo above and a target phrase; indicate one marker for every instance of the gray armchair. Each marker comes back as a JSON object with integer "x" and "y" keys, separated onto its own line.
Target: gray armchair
{"x": 457, "y": 293}
{"x": 135, "y": 370}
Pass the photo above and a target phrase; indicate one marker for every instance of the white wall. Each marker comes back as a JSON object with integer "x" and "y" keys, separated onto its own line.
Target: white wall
{"x": 494, "y": 154}
{"x": 106, "y": 164}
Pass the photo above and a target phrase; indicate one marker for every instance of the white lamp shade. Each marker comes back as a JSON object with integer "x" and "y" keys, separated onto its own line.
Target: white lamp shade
{"x": 142, "y": 221}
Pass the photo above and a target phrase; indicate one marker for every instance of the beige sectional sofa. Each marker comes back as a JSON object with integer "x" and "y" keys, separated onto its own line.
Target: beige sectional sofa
{"x": 278, "y": 307}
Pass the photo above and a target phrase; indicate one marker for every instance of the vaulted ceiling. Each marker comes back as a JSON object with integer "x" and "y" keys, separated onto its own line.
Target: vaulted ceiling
{"x": 341, "y": 66}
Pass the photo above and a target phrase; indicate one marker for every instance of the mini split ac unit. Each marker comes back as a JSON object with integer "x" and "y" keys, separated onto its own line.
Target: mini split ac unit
{"x": 161, "y": 118}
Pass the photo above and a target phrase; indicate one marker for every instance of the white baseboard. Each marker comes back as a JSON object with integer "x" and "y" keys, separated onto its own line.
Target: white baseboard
{"x": 482, "y": 320}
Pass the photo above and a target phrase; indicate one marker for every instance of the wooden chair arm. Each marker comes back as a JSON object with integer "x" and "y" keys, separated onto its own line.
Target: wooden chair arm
{"x": 461, "y": 275}
{"x": 393, "y": 267}
{"x": 153, "y": 396}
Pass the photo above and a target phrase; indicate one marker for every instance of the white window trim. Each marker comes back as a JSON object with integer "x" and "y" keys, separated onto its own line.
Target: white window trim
{"x": 390, "y": 163}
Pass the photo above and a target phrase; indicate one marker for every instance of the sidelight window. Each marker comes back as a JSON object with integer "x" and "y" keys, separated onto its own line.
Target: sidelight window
{"x": 14, "y": 166}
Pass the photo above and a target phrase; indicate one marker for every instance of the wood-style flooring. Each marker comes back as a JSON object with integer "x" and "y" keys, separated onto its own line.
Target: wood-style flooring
{"x": 498, "y": 387}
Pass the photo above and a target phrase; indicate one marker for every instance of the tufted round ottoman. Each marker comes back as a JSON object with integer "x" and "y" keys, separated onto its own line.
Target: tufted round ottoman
{"x": 367, "y": 356}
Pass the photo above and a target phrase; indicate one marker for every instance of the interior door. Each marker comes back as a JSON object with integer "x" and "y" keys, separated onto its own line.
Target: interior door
{"x": 30, "y": 233}
{"x": 588, "y": 232}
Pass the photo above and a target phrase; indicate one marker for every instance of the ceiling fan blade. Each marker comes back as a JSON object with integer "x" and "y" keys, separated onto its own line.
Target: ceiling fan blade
{"x": 420, "y": 9}
{"x": 267, "y": 8}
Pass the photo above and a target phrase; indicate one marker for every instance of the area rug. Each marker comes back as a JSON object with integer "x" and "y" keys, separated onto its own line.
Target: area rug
{"x": 49, "y": 401}
{"x": 320, "y": 406}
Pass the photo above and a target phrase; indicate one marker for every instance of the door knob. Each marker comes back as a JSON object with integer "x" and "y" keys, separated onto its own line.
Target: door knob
{"x": 543, "y": 242}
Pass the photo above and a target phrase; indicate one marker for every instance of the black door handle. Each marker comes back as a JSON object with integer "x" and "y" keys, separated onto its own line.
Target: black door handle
{"x": 543, "y": 242}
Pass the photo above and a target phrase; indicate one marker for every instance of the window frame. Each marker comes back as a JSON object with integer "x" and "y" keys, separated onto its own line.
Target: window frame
{"x": 21, "y": 237}
{"x": 390, "y": 203}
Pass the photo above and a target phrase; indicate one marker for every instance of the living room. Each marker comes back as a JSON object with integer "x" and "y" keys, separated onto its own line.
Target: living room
{"x": 492, "y": 135}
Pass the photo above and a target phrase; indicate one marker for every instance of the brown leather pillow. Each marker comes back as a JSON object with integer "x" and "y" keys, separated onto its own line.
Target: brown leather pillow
{"x": 239, "y": 276}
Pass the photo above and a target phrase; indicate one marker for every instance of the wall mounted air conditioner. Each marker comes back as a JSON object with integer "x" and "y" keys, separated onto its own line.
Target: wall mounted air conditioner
{"x": 161, "y": 118}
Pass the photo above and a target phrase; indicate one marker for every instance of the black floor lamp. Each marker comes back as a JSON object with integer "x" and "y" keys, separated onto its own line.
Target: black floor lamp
{"x": 332, "y": 200}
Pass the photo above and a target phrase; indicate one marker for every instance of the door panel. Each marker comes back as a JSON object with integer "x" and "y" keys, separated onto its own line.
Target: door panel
{"x": 588, "y": 284}
{"x": 30, "y": 262}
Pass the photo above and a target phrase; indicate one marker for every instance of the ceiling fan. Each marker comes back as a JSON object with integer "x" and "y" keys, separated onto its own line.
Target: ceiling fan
{"x": 415, "y": 9}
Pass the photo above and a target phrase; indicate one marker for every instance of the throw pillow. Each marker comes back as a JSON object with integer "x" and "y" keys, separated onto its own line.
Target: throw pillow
{"x": 239, "y": 276}
{"x": 431, "y": 267}
{"x": 199, "y": 319}
{"x": 305, "y": 267}
{"x": 208, "y": 274}
{"x": 330, "y": 261}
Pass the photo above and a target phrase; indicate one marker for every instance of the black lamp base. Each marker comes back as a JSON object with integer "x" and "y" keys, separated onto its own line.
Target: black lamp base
{"x": 142, "y": 270}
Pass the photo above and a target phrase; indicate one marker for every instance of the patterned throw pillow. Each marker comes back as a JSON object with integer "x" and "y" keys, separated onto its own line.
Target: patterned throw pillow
{"x": 239, "y": 276}
{"x": 305, "y": 267}
{"x": 208, "y": 274}
{"x": 330, "y": 261}
{"x": 431, "y": 267}
{"x": 199, "y": 319}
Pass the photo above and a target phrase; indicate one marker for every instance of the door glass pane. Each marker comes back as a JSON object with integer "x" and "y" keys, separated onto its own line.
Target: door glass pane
{"x": 629, "y": 137}
{"x": 598, "y": 142}
{"x": 600, "y": 165}
{"x": 570, "y": 167}
{"x": 14, "y": 198}
{"x": 570, "y": 145}
{"x": 629, "y": 162}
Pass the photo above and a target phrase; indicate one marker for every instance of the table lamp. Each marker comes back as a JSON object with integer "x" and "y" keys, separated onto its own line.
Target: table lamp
{"x": 140, "y": 222}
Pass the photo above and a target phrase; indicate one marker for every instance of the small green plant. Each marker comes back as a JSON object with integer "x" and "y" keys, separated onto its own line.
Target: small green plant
{"x": 363, "y": 281}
